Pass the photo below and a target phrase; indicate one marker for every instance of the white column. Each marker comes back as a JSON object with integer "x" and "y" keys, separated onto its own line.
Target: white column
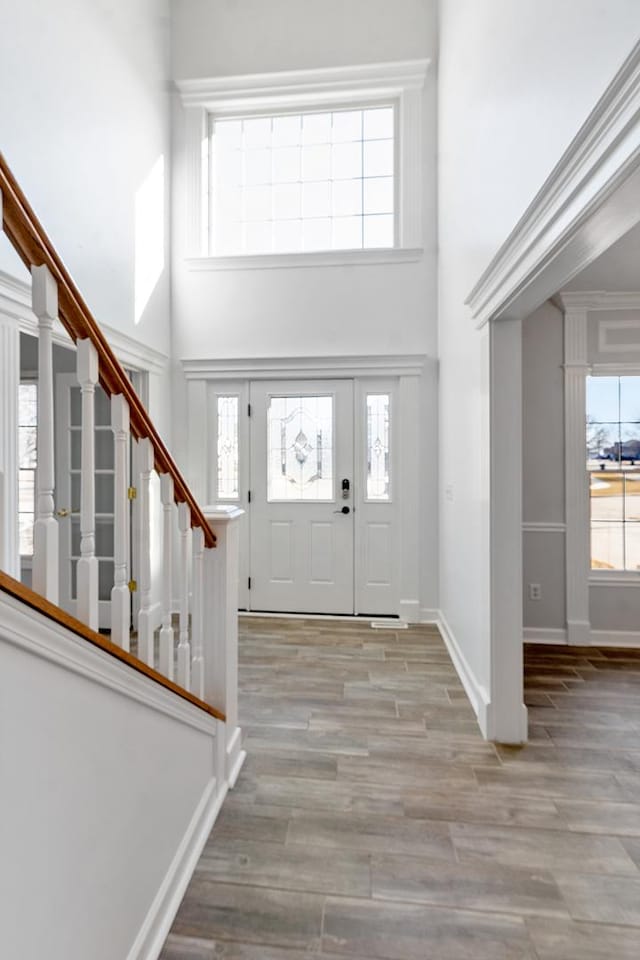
{"x": 9, "y": 382}
{"x": 44, "y": 293}
{"x": 506, "y": 715}
{"x": 166, "y": 632}
{"x": 578, "y": 547}
{"x": 120, "y": 595}
{"x": 184, "y": 649}
{"x": 145, "y": 624}
{"x": 197, "y": 611}
{"x": 221, "y": 565}
{"x": 87, "y": 579}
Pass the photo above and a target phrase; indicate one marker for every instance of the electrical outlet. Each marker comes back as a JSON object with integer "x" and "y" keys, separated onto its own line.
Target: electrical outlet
{"x": 535, "y": 591}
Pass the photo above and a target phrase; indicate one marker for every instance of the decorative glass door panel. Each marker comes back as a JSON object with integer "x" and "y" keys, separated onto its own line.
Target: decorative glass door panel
{"x": 300, "y": 445}
{"x": 302, "y": 496}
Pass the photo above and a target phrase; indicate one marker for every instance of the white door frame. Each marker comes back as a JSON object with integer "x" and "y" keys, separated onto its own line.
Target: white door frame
{"x": 589, "y": 201}
{"x": 206, "y": 377}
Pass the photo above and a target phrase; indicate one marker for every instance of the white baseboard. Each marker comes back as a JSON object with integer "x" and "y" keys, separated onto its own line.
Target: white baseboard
{"x": 235, "y": 757}
{"x": 157, "y": 923}
{"x": 544, "y": 635}
{"x": 594, "y": 638}
{"x": 615, "y": 638}
{"x": 409, "y": 610}
{"x": 429, "y": 615}
{"x": 476, "y": 692}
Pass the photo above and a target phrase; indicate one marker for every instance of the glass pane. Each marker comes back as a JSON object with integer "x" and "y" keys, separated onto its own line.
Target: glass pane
{"x": 102, "y": 408}
{"x": 607, "y": 496}
{"x": 286, "y": 164}
{"x": 26, "y": 491}
{"x": 286, "y": 201}
{"x": 378, "y": 449}
{"x": 228, "y": 450}
{"x": 75, "y": 403}
{"x": 347, "y": 125}
{"x": 74, "y": 579}
{"x": 75, "y": 493}
{"x": 257, "y": 133}
{"x": 104, "y": 449}
{"x": 75, "y": 449}
{"x": 75, "y": 536}
{"x": 286, "y": 131}
{"x": 230, "y": 132}
{"x": 378, "y": 158}
{"x": 104, "y": 492}
{"x": 378, "y": 195}
{"x": 378, "y": 124}
{"x": 607, "y": 546}
{"x": 258, "y": 166}
{"x": 603, "y": 399}
{"x": 630, "y": 399}
{"x": 347, "y": 198}
{"x": 258, "y": 203}
{"x": 378, "y": 231}
{"x": 347, "y": 233}
{"x": 287, "y": 236}
{"x": 346, "y": 161}
{"x": 105, "y": 579}
{"x": 632, "y": 545}
{"x": 104, "y": 538}
{"x": 300, "y": 448}
{"x": 316, "y": 234}
{"x": 27, "y": 437}
{"x": 28, "y": 404}
{"x": 258, "y": 237}
{"x": 316, "y": 163}
{"x": 25, "y": 526}
{"x": 316, "y": 128}
{"x": 316, "y": 200}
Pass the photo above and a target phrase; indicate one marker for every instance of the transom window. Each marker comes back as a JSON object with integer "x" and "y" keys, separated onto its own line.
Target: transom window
{"x": 613, "y": 464}
{"x": 312, "y": 181}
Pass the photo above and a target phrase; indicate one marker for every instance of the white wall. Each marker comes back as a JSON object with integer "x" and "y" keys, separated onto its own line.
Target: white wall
{"x": 516, "y": 81}
{"x": 310, "y": 311}
{"x": 84, "y": 115}
{"x": 104, "y": 796}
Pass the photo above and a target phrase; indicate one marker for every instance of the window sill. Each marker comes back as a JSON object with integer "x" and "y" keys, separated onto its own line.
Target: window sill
{"x": 326, "y": 258}
{"x": 614, "y": 578}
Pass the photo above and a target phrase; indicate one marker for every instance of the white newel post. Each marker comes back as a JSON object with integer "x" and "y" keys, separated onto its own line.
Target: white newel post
{"x": 120, "y": 595}
{"x": 166, "y": 653}
{"x": 87, "y": 580}
{"x": 221, "y": 566}
{"x": 145, "y": 624}
{"x": 184, "y": 647}
{"x": 197, "y": 610}
{"x": 44, "y": 293}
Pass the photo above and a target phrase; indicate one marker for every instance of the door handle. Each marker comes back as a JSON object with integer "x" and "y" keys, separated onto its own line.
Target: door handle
{"x": 63, "y": 512}
{"x": 344, "y": 510}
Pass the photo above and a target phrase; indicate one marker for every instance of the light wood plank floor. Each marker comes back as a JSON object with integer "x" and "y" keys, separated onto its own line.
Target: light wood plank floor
{"x": 372, "y": 821}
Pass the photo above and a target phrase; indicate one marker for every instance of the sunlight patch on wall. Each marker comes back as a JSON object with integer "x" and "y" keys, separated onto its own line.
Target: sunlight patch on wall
{"x": 149, "y": 237}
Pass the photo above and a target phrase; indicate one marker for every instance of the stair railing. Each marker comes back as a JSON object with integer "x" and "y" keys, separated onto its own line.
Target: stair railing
{"x": 203, "y": 661}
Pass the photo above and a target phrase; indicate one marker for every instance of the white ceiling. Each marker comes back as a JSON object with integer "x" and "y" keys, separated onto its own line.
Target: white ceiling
{"x": 616, "y": 270}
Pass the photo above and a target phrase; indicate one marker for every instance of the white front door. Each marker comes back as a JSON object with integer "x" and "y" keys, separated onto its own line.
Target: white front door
{"x": 302, "y": 520}
{"x": 68, "y": 444}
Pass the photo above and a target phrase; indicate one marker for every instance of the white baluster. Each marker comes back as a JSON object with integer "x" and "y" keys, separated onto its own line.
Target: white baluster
{"x": 44, "y": 293}
{"x": 184, "y": 649}
{"x": 145, "y": 623}
{"x": 120, "y": 595}
{"x": 197, "y": 614}
{"x": 87, "y": 580}
{"x": 166, "y": 632}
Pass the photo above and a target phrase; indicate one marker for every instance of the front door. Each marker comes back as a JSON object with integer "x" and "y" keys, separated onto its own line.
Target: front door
{"x": 302, "y": 522}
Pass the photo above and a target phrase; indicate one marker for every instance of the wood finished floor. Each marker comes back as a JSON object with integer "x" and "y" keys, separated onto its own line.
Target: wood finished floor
{"x": 372, "y": 821}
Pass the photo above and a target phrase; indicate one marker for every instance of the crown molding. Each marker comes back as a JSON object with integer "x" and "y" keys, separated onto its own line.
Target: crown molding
{"x": 588, "y": 201}
{"x": 599, "y": 300}
{"x": 285, "y": 368}
{"x": 323, "y": 85}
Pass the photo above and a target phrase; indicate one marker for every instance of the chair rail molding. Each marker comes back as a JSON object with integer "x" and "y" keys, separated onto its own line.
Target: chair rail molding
{"x": 587, "y": 203}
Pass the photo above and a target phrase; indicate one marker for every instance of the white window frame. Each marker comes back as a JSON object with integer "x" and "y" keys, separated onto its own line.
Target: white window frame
{"x": 399, "y": 84}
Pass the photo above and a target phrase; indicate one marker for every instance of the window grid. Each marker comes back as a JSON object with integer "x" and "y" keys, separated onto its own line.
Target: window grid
{"x": 248, "y": 207}
{"x": 27, "y": 464}
{"x": 613, "y": 458}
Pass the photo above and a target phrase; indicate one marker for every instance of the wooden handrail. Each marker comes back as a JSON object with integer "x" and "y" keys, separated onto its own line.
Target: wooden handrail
{"x": 34, "y": 600}
{"x": 34, "y": 248}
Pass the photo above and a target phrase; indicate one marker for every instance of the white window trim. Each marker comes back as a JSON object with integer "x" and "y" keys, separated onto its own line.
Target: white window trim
{"x": 330, "y": 87}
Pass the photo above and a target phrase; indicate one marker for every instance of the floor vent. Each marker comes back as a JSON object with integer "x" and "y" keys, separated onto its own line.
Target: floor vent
{"x": 389, "y": 625}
